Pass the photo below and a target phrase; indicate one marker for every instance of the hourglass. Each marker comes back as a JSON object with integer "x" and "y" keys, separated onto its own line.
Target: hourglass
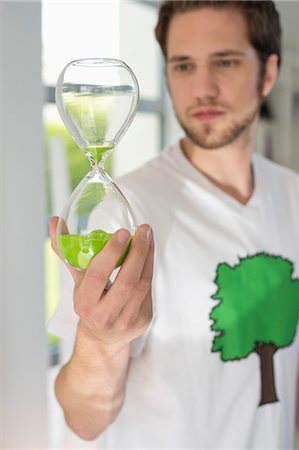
{"x": 97, "y": 100}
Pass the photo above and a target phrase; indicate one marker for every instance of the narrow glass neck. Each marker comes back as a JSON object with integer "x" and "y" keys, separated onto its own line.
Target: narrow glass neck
{"x": 99, "y": 175}
{"x": 98, "y": 155}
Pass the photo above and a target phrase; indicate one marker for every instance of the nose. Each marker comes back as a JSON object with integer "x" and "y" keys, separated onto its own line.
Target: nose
{"x": 204, "y": 84}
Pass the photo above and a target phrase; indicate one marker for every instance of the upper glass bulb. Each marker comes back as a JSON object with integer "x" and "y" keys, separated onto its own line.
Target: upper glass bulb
{"x": 97, "y": 99}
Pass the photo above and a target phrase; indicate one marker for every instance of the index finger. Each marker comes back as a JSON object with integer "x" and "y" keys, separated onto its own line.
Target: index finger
{"x": 101, "y": 267}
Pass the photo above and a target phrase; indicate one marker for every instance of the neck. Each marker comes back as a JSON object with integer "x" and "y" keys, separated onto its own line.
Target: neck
{"x": 229, "y": 167}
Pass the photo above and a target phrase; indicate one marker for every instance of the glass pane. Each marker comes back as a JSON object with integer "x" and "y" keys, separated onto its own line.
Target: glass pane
{"x": 140, "y": 144}
{"x": 77, "y": 29}
{"x": 138, "y": 46}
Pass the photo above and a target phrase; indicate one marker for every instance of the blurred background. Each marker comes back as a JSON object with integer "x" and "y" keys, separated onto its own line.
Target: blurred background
{"x": 40, "y": 165}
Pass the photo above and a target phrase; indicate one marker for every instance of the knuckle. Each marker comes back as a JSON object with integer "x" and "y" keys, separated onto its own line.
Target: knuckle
{"x": 146, "y": 317}
{"x": 123, "y": 324}
{"x": 126, "y": 286}
{"x": 98, "y": 324}
{"x": 144, "y": 286}
{"x": 81, "y": 309}
{"x": 143, "y": 323}
{"x": 104, "y": 323}
{"x": 96, "y": 276}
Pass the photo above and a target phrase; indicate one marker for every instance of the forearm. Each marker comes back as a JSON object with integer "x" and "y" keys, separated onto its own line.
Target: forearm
{"x": 91, "y": 386}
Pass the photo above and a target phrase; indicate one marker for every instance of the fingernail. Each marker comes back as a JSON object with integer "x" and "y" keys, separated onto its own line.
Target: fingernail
{"x": 145, "y": 232}
{"x": 122, "y": 236}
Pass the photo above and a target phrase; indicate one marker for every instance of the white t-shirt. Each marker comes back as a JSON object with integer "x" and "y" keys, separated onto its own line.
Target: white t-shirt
{"x": 224, "y": 286}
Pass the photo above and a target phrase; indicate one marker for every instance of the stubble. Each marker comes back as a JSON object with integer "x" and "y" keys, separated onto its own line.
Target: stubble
{"x": 206, "y": 135}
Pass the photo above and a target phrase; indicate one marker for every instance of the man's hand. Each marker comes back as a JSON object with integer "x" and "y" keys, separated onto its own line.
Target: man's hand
{"x": 123, "y": 312}
{"x": 90, "y": 388}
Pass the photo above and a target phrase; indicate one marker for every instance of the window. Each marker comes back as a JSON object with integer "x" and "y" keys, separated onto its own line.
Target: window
{"x": 73, "y": 30}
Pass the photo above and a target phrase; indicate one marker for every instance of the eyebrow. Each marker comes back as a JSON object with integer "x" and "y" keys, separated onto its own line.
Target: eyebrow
{"x": 222, "y": 53}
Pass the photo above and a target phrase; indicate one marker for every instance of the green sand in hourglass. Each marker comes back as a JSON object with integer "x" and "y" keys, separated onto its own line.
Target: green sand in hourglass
{"x": 79, "y": 250}
{"x": 97, "y": 100}
{"x": 98, "y": 152}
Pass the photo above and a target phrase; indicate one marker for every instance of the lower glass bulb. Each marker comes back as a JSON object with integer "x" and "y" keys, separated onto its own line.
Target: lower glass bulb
{"x": 95, "y": 210}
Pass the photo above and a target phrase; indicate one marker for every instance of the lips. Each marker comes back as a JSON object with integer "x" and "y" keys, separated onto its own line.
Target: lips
{"x": 208, "y": 114}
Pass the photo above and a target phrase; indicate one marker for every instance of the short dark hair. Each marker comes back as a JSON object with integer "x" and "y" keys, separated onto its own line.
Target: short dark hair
{"x": 261, "y": 16}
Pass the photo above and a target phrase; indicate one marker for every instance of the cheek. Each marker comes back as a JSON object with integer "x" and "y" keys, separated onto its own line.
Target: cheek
{"x": 248, "y": 86}
{"x": 178, "y": 94}
{"x": 173, "y": 85}
{"x": 245, "y": 91}
{"x": 248, "y": 101}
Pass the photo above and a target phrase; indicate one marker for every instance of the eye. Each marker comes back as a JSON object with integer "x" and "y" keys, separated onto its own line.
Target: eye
{"x": 183, "y": 67}
{"x": 226, "y": 63}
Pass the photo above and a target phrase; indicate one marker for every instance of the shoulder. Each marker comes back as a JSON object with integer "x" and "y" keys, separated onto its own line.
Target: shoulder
{"x": 149, "y": 188}
{"x": 276, "y": 173}
{"x": 152, "y": 175}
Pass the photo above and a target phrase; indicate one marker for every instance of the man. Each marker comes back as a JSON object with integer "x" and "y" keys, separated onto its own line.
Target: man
{"x": 214, "y": 365}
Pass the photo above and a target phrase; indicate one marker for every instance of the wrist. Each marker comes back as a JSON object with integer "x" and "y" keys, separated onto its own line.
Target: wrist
{"x": 96, "y": 364}
{"x": 88, "y": 342}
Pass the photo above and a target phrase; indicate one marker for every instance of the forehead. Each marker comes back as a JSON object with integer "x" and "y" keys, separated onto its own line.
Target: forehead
{"x": 207, "y": 30}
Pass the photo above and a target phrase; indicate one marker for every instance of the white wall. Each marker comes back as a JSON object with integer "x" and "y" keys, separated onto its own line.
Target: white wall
{"x": 23, "y": 352}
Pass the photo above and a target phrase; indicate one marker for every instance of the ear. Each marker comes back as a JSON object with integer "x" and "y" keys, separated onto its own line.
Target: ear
{"x": 271, "y": 74}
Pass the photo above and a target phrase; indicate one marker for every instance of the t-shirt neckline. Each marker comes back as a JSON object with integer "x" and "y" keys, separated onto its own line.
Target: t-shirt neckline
{"x": 256, "y": 198}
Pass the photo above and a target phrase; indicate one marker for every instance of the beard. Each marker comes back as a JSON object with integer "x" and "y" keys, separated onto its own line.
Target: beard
{"x": 206, "y": 135}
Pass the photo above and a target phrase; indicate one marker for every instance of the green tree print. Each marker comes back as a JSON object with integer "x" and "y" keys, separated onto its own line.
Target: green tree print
{"x": 257, "y": 312}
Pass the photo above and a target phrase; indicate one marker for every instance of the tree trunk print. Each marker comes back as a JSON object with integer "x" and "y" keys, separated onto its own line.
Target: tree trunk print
{"x": 268, "y": 391}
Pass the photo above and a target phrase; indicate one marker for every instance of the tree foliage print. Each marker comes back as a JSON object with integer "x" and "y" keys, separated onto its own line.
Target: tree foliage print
{"x": 257, "y": 312}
